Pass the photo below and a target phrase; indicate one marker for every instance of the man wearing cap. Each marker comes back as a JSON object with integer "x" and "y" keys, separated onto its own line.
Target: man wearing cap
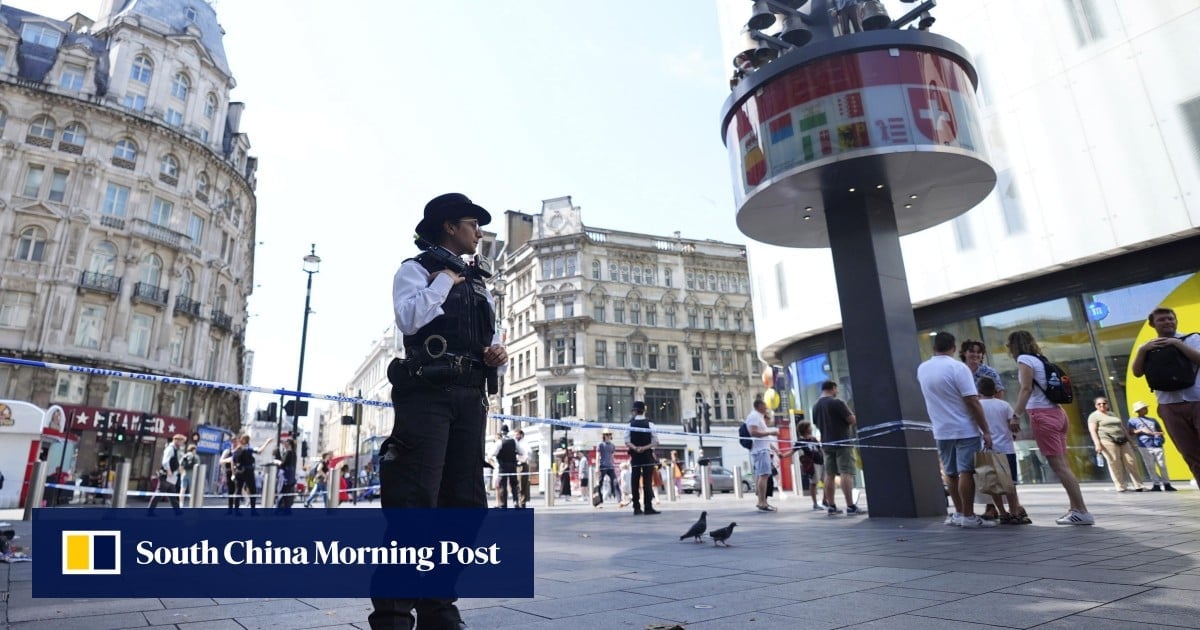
{"x": 1150, "y": 443}
{"x": 641, "y": 445}
{"x": 452, "y": 350}
{"x": 606, "y": 449}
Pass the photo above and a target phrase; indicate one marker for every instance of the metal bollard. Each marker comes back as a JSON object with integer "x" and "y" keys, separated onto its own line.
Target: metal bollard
{"x": 705, "y": 490}
{"x": 37, "y": 488}
{"x": 797, "y": 475}
{"x": 121, "y": 484}
{"x": 334, "y": 487}
{"x": 270, "y": 473}
{"x": 548, "y": 487}
{"x": 737, "y": 482}
{"x": 199, "y": 475}
{"x": 672, "y": 496}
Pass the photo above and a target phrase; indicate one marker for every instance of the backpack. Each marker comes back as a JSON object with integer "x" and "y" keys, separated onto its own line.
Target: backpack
{"x": 745, "y": 438}
{"x": 189, "y": 461}
{"x": 1058, "y": 384}
{"x": 1168, "y": 370}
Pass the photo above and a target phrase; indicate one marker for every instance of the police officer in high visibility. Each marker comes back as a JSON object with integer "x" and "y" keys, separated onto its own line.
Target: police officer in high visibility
{"x": 434, "y": 456}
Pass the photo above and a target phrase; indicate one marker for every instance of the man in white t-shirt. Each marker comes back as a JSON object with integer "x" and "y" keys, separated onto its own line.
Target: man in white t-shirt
{"x": 1179, "y": 409}
{"x": 760, "y": 453}
{"x": 958, "y": 423}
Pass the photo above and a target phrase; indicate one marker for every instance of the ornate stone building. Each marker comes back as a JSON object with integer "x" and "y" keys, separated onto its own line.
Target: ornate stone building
{"x": 598, "y": 318}
{"x": 127, "y": 212}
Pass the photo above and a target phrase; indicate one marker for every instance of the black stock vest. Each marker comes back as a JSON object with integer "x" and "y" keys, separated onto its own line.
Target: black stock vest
{"x": 467, "y": 322}
{"x": 641, "y": 438}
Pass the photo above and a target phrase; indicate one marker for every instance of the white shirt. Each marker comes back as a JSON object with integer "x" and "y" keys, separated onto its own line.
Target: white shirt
{"x": 169, "y": 452}
{"x": 1191, "y": 394}
{"x": 495, "y": 450}
{"x": 756, "y": 419}
{"x": 997, "y": 413}
{"x": 1037, "y": 400}
{"x": 945, "y": 381}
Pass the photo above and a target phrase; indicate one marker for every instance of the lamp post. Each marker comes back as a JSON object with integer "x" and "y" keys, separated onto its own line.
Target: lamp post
{"x": 312, "y": 264}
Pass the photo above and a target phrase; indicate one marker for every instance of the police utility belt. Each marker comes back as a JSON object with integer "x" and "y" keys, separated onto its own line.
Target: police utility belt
{"x": 432, "y": 365}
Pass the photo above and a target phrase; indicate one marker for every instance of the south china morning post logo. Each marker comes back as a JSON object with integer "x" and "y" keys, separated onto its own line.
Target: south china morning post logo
{"x": 340, "y": 553}
{"x": 91, "y": 552}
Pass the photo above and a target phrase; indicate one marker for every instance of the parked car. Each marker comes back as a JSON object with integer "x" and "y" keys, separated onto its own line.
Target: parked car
{"x": 721, "y": 479}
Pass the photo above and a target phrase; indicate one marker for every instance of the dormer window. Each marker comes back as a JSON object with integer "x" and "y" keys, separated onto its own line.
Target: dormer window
{"x": 142, "y": 69}
{"x": 41, "y": 35}
{"x": 190, "y": 13}
{"x": 180, "y": 86}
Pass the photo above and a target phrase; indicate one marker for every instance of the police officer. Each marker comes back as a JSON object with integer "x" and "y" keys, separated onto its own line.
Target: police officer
{"x": 434, "y": 455}
{"x": 507, "y": 452}
{"x": 641, "y": 445}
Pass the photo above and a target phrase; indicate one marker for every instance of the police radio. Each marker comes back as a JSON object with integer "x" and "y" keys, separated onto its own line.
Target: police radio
{"x": 481, "y": 266}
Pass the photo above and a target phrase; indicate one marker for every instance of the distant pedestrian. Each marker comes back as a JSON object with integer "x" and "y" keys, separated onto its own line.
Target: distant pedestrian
{"x": 811, "y": 461}
{"x": 760, "y": 452}
{"x": 641, "y": 445}
{"x": 168, "y": 474}
{"x": 605, "y": 451}
{"x": 1150, "y": 442}
{"x": 837, "y": 425}
{"x": 1111, "y": 437}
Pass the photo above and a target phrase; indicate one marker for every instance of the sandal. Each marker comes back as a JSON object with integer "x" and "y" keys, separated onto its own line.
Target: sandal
{"x": 767, "y": 508}
{"x": 1022, "y": 519}
{"x": 1008, "y": 519}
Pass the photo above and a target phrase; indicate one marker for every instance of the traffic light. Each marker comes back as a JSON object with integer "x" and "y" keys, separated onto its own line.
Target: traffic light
{"x": 562, "y": 443}
{"x": 296, "y": 407}
{"x": 144, "y": 426}
{"x": 102, "y": 428}
{"x": 120, "y": 436}
{"x": 272, "y": 412}
{"x": 304, "y": 449}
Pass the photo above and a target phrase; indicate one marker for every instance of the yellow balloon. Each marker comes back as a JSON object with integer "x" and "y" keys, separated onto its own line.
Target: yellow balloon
{"x": 771, "y": 397}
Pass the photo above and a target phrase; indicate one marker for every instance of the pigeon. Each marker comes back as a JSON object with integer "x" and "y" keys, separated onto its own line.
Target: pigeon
{"x": 697, "y": 530}
{"x": 722, "y": 535}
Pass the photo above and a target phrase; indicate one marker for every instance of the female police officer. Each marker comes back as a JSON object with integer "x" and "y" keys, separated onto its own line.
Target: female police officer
{"x": 435, "y": 453}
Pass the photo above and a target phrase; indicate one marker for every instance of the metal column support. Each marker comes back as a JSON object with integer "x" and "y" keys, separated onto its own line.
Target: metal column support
{"x": 268, "y": 489}
{"x": 37, "y": 488}
{"x": 199, "y": 476}
{"x": 121, "y": 485}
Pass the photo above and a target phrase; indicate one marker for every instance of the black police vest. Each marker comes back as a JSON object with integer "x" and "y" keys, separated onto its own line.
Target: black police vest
{"x": 508, "y": 452}
{"x": 639, "y": 438}
{"x": 467, "y": 322}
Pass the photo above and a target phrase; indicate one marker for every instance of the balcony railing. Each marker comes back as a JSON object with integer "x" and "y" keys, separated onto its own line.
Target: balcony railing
{"x": 117, "y": 223}
{"x": 164, "y": 235}
{"x": 150, "y": 294}
{"x": 187, "y": 306}
{"x": 222, "y": 321}
{"x": 101, "y": 282}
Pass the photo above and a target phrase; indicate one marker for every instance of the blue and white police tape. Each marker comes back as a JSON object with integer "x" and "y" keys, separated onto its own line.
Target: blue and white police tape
{"x": 190, "y": 382}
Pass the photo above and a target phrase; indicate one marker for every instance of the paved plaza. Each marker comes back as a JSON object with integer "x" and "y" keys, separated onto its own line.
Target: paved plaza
{"x": 1138, "y": 567}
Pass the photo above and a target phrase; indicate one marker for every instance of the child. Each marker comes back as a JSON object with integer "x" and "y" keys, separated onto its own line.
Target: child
{"x": 1003, "y": 425}
{"x": 810, "y": 458}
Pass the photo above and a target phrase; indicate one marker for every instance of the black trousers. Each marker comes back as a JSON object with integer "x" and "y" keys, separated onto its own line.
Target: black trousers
{"x": 438, "y": 462}
{"x": 170, "y": 489}
{"x": 643, "y": 472}
{"x": 508, "y": 480}
{"x": 614, "y": 485}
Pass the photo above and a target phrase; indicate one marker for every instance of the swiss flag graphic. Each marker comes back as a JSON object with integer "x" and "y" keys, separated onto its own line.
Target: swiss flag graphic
{"x": 933, "y": 113}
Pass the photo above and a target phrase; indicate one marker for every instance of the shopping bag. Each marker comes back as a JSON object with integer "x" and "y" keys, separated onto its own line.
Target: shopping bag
{"x": 991, "y": 473}
{"x": 597, "y": 498}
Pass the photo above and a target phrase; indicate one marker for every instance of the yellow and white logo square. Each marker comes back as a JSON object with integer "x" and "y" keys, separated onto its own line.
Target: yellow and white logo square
{"x": 91, "y": 552}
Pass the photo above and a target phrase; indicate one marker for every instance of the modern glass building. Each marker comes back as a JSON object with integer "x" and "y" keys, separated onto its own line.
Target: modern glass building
{"x": 1092, "y": 114}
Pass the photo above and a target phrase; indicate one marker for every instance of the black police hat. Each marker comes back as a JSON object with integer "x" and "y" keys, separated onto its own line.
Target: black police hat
{"x": 450, "y": 207}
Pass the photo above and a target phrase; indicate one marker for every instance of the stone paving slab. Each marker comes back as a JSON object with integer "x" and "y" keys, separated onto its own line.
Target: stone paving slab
{"x": 1139, "y": 566}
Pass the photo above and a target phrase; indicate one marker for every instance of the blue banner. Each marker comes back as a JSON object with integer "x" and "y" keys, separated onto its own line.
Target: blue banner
{"x": 210, "y": 439}
{"x": 128, "y": 552}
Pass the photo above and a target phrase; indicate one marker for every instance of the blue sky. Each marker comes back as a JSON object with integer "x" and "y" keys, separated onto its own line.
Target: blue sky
{"x": 361, "y": 111}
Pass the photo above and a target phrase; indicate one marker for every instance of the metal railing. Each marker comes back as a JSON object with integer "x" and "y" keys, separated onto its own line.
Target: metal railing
{"x": 149, "y": 293}
{"x": 162, "y": 234}
{"x": 222, "y": 321}
{"x": 100, "y": 282}
{"x": 187, "y": 306}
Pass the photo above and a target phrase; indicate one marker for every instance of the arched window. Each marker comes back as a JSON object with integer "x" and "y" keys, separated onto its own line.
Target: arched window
{"x": 716, "y": 408}
{"x": 699, "y": 404}
{"x": 103, "y": 259}
{"x": 222, "y": 295}
{"x": 730, "y": 408}
{"x": 202, "y": 183}
{"x": 31, "y": 245}
{"x": 181, "y": 85}
{"x": 42, "y": 127}
{"x": 126, "y": 150}
{"x": 151, "y": 270}
{"x": 210, "y": 106}
{"x": 667, "y": 278}
{"x": 595, "y": 263}
{"x": 185, "y": 284}
{"x": 75, "y": 134}
{"x": 169, "y": 166}
{"x": 142, "y": 70}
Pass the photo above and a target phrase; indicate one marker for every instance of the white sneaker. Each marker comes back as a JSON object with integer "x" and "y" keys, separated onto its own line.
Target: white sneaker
{"x": 954, "y": 520}
{"x": 974, "y": 522}
{"x": 1076, "y": 518}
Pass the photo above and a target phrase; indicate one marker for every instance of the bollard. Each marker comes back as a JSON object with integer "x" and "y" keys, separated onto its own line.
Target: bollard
{"x": 737, "y": 482}
{"x": 705, "y": 489}
{"x": 199, "y": 475}
{"x": 268, "y": 490}
{"x": 672, "y": 495}
{"x": 37, "y": 488}
{"x": 121, "y": 485}
{"x": 797, "y": 475}
{"x": 548, "y": 487}
{"x": 334, "y": 487}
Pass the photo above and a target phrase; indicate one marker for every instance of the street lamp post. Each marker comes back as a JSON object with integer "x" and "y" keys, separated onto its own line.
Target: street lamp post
{"x": 312, "y": 264}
